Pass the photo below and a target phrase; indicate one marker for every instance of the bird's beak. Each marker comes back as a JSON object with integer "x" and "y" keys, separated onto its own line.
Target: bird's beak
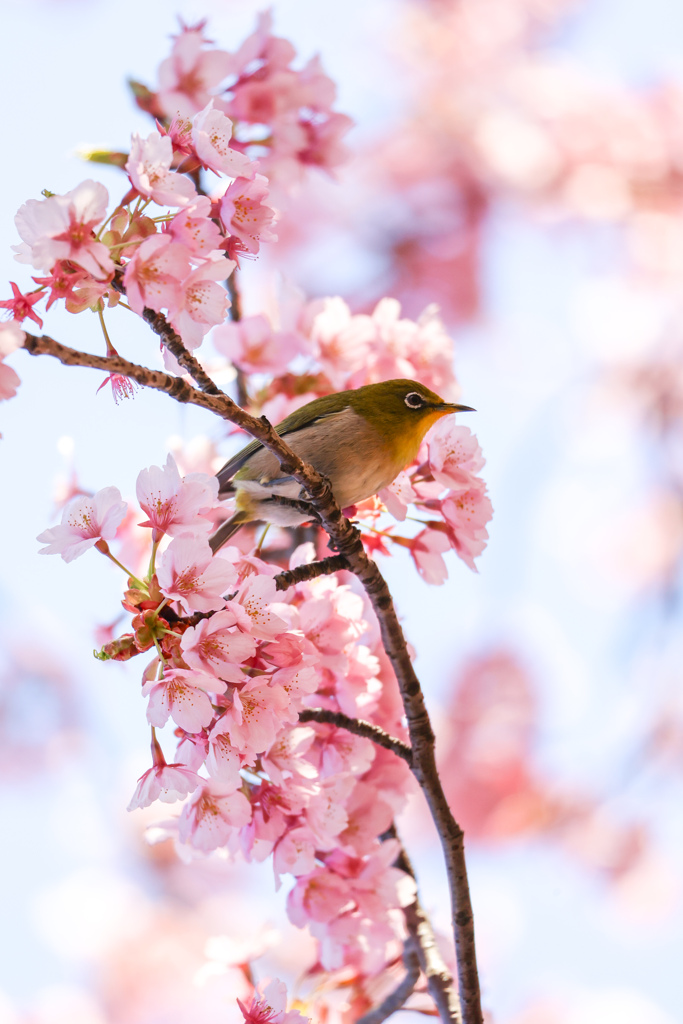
{"x": 450, "y": 407}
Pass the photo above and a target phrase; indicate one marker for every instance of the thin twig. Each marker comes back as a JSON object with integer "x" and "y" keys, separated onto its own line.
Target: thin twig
{"x": 359, "y": 727}
{"x": 310, "y": 571}
{"x": 395, "y": 1000}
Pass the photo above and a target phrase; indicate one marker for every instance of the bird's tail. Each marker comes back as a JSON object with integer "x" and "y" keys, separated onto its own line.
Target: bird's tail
{"x": 226, "y": 529}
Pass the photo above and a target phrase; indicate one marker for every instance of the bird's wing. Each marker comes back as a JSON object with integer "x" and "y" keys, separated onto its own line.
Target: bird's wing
{"x": 288, "y": 426}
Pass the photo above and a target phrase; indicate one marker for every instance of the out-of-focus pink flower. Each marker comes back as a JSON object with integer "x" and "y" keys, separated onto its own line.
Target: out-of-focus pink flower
{"x": 213, "y": 816}
{"x": 183, "y": 696}
{"x": 255, "y": 347}
{"x": 149, "y": 169}
{"x": 427, "y": 549}
{"x": 11, "y": 337}
{"x": 188, "y": 76}
{"x": 295, "y": 852}
{"x": 9, "y": 382}
{"x": 176, "y": 505}
{"x": 188, "y": 573}
{"x": 84, "y": 522}
{"x": 245, "y": 215}
{"x": 62, "y": 228}
{"x": 200, "y": 302}
{"x": 22, "y": 305}
{"x": 269, "y": 1006}
{"x": 211, "y": 134}
{"x": 165, "y": 782}
{"x": 155, "y": 274}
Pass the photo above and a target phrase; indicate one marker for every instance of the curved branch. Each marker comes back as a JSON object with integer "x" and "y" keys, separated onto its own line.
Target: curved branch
{"x": 360, "y": 728}
{"x": 310, "y": 571}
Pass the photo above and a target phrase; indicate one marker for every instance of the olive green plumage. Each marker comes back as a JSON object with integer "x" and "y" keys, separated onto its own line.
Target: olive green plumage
{"x": 360, "y": 440}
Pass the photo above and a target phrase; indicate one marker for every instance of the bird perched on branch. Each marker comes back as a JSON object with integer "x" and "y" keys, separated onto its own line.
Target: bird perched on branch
{"x": 360, "y": 440}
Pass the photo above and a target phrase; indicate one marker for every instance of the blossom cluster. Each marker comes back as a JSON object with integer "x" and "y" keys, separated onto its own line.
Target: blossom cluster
{"x": 231, "y": 675}
{"x": 282, "y": 116}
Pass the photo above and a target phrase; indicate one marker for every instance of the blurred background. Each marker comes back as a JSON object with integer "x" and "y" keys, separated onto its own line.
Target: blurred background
{"x": 520, "y": 163}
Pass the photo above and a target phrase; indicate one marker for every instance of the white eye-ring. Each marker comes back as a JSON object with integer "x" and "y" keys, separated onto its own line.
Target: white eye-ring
{"x": 414, "y": 401}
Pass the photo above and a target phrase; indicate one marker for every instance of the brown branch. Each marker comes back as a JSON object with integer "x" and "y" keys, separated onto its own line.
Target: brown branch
{"x": 359, "y": 727}
{"x": 395, "y": 1000}
{"x": 236, "y": 315}
{"x": 438, "y": 977}
{"x": 347, "y": 542}
{"x": 310, "y": 571}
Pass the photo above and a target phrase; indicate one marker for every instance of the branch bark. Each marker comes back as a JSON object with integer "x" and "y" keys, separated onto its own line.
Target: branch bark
{"x": 347, "y": 542}
{"x": 310, "y": 571}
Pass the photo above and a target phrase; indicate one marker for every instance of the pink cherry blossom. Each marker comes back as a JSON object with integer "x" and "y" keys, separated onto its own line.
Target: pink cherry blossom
{"x": 255, "y": 716}
{"x": 245, "y": 215}
{"x": 213, "y": 816}
{"x": 11, "y": 337}
{"x": 165, "y": 782}
{"x": 286, "y": 759}
{"x": 172, "y": 504}
{"x": 256, "y": 595}
{"x": 9, "y": 382}
{"x": 326, "y": 814}
{"x": 427, "y": 549}
{"x": 295, "y": 852}
{"x": 22, "y": 305}
{"x": 269, "y": 1006}
{"x": 454, "y": 455}
{"x": 183, "y": 696}
{"x": 188, "y": 76}
{"x": 211, "y": 134}
{"x": 255, "y": 347}
{"x": 62, "y": 228}
{"x": 398, "y": 495}
{"x": 217, "y": 645}
{"x": 155, "y": 274}
{"x": 188, "y": 573}
{"x": 223, "y": 762}
{"x": 467, "y": 513}
{"x": 149, "y": 169}
{"x": 193, "y": 228}
{"x": 84, "y": 522}
{"x": 200, "y": 302}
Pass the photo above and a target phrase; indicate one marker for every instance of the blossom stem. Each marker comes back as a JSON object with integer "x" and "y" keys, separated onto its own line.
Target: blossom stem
{"x": 138, "y": 583}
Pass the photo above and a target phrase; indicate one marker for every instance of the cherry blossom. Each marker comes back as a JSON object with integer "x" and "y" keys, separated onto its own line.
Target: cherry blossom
{"x": 454, "y": 455}
{"x": 183, "y": 696}
{"x": 188, "y": 573}
{"x": 427, "y": 549}
{"x": 149, "y": 169}
{"x": 173, "y": 504}
{"x": 84, "y": 521}
{"x": 22, "y": 305}
{"x": 245, "y": 215}
{"x": 155, "y": 274}
{"x": 188, "y": 76}
{"x": 165, "y": 782}
{"x": 269, "y": 1006}
{"x": 199, "y": 302}
{"x": 467, "y": 514}
{"x": 254, "y": 600}
{"x": 211, "y": 133}
{"x": 255, "y": 716}
{"x": 217, "y": 645}
{"x": 193, "y": 228}
{"x": 62, "y": 228}
{"x": 255, "y": 347}
{"x": 213, "y": 816}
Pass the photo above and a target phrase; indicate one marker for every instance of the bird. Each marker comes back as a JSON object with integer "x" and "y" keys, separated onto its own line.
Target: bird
{"x": 359, "y": 439}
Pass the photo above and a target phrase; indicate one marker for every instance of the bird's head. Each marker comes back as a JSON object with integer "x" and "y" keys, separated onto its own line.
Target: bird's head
{"x": 402, "y": 411}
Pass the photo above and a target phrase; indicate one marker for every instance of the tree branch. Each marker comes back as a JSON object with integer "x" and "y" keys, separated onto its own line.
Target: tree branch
{"x": 360, "y": 728}
{"x": 347, "y": 542}
{"x": 438, "y": 977}
{"x": 310, "y": 571}
{"x": 395, "y": 1000}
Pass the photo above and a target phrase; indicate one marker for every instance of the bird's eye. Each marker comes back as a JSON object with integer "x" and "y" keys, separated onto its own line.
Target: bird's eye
{"x": 413, "y": 400}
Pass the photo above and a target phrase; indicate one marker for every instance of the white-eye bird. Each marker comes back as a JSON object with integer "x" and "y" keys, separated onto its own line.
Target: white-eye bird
{"x": 360, "y": 440}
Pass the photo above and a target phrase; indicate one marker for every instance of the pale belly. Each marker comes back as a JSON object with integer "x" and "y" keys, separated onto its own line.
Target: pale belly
{"x": 357, "y": 468}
